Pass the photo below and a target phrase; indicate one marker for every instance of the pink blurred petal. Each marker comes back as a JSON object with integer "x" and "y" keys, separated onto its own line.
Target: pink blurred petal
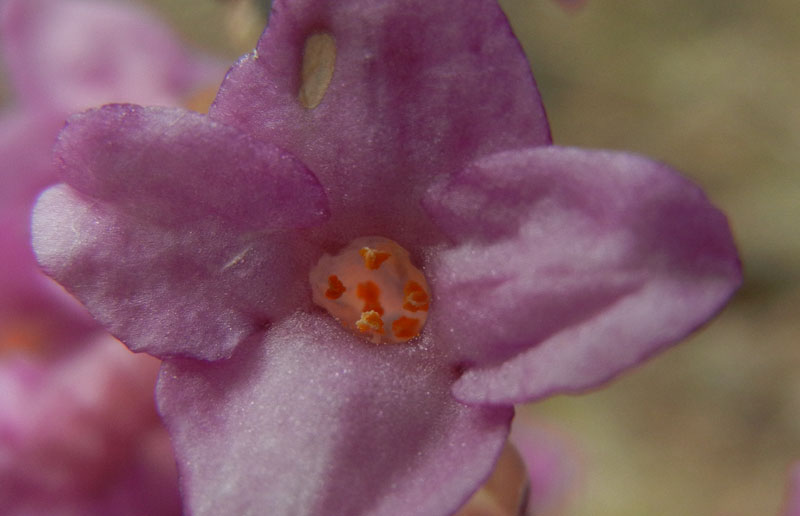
{"x": 313, "y": 420}
{"x": 551, "y": 461}
{"x": 67, "y": 55}
{"x": 77, "y": 436}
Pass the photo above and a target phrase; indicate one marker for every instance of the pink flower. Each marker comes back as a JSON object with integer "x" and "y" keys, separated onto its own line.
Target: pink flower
{"x": 409, "y": 134}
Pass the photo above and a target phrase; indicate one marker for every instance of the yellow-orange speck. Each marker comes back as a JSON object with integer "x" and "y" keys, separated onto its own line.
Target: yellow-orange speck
{"x": 416, "y": 298}
{"x": 370, "y": 322}
{"x": 370, "y": 285}
{"x": 372, "y": 257}
{"x": 405, "y": 327}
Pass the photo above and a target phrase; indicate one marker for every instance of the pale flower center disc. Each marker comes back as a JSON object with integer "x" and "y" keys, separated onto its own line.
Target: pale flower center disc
{"x": 373, "y": 289}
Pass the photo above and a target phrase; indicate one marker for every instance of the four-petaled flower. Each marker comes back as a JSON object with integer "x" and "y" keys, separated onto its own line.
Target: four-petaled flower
{"x": 412, "y": 128}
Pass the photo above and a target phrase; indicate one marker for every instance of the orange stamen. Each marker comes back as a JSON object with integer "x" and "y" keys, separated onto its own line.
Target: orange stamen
{"x": 405, "y": 327}
{"x": 370, "y": 293}
{"x": 415, "y": 297}
{"x": 335, "y": 288}
{"x": 370, "y": 321}
{"x": 373, "y": 258}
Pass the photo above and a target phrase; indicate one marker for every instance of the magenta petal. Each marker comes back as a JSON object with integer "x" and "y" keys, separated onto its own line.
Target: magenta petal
{"x": 419, "y": 89}
{"x": 67, "y": 55}
{"x": 153, "y": 242}
{"x": 587, "y": 263}
{"x": 173, "y": 167}
{"x": 314, "y": 421}
{"x": 189, "y": 292}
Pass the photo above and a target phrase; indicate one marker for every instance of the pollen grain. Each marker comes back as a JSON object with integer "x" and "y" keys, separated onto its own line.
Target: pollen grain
{"x": 405, "y": 327}
{"x": 370, "y": 322}
{"x": 415, "y": 297}
{"x": 335, "y": 287}
{"x": 370, "y": 293}
{"x": 373, "y": 258}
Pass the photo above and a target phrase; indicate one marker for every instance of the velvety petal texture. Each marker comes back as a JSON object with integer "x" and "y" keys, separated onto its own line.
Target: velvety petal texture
{"x": 582, "y": 262}
{"x": 176, "y": 168}
{"x": 418, "y": 89}
{"x": 309, "y": 420}
{"x": 67, "y": 55}
{"x": 173, "y": 217}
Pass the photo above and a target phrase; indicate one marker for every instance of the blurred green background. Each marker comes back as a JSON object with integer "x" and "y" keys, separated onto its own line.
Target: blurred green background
{"x": 711, "y": 87}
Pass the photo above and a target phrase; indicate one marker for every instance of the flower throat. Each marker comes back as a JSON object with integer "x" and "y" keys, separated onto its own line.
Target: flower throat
{"x": 373, "y": 289}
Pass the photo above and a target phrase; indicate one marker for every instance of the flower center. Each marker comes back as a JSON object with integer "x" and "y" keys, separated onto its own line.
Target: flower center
{"x": 373, "y": 289}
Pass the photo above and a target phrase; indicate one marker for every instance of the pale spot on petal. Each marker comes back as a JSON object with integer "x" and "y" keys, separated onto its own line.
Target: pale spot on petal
{"x": 319, "y": 57}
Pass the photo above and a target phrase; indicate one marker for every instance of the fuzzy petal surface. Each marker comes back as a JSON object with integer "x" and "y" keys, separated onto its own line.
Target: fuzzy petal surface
{"x": 311, "y": 420}
{"x": 68, "y": 55}
{"x": 170, "y": 234}
{"x": 571, "y": 266}
{"x": 418, "y": 89}
{"x": 176, "y": 168}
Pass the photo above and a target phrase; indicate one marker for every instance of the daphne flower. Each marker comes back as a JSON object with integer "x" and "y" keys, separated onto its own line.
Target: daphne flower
{"x": 358, "y": 128}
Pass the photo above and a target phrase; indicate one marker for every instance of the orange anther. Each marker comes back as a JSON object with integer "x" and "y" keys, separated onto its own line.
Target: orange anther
{"x": 370, "y": 321}
{"x": 415, "y": 297}
{"x": 405, "y": 327}
{"x": 373, "y": 258}
{"x": 335, "y": 288}
{"x": 370, "y": 293}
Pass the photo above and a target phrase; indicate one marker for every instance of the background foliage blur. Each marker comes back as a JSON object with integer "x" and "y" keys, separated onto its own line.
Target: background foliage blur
{"x": 710, "y": 87}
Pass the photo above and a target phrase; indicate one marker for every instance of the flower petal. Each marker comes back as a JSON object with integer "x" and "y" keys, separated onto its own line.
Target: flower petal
{"x": 313, "y": 420}
{"x": 419, "y": 88}
{"x": 175, "y": 168}
{"x": 170, "y": 292}
{"x": 68, "y": 55}
{"x": 587, "y": 263}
